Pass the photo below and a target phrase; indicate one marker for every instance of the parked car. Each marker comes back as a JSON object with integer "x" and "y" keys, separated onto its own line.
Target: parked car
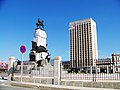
{"x": 5, "y": 78}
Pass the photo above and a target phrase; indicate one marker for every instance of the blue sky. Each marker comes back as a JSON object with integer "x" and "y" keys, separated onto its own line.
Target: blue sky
{"x": 18, "y": 18}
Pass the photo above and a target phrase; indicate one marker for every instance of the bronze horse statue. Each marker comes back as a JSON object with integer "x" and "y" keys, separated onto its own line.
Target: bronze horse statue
{"x": 40, "y": 24}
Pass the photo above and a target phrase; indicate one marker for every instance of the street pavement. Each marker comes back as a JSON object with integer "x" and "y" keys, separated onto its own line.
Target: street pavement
{"x": 4, "y": 85}
{"x": 8, "y": 87}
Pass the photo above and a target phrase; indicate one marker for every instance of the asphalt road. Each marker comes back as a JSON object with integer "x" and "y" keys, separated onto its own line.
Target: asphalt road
{"x": 5, "y": 86}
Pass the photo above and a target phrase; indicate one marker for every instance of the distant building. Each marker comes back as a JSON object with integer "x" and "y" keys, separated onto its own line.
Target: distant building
{"x": 116, "y": 59}
{"x": 83, "y": 43}
{"x": 105, "y": 65}
{"x": 104, "y": 61}
{"x": 116, "y": 62}
{"x": 66, "y": 64}
{"x": 112, "y": 64}
{"x": 3, "y": 66}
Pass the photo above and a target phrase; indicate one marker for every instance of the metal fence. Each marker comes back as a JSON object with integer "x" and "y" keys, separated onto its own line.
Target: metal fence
{"x": 100, "y": 72}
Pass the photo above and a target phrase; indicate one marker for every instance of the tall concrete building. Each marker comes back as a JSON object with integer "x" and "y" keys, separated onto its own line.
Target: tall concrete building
{"x": 83, "y": 43}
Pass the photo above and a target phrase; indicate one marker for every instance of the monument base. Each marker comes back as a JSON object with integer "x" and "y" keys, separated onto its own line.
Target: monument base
{"x": 46, "y": 70}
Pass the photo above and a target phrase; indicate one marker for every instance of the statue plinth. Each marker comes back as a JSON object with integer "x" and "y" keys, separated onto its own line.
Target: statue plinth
{"x": 39, "y": 53}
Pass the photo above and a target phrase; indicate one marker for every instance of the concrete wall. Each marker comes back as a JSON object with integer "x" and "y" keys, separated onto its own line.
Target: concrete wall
{"x": 43, "y": 80}
{"x": 35, "y": 86}
{"x": 115, "y": 85}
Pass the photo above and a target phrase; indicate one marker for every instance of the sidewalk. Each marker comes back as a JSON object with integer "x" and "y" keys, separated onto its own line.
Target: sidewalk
{"x": 53, "y": 87}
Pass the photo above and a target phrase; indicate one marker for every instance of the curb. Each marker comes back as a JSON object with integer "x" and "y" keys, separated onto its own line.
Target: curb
{"x": 24, "y": 84}
{"x": 52, "y": 87}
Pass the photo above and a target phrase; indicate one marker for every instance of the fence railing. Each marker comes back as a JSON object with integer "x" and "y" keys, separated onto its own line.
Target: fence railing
{"x": 102, "y": 71}
{"x": 91, "y": 73}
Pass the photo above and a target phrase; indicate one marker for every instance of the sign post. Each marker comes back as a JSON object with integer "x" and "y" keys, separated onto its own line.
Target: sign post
{"x": 22, "y": 50}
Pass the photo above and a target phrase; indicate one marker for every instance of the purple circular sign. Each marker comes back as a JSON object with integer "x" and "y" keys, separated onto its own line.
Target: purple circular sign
{"x": 22, "y": 49}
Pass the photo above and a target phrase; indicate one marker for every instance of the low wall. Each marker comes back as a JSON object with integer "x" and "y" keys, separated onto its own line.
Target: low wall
{"x": 50, "y": 80}
{"x": 114, "y": 85}
{"x": 42, "y": 80}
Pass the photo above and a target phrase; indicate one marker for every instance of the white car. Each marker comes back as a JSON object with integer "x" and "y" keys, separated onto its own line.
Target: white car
{"x": 5, "y": 78}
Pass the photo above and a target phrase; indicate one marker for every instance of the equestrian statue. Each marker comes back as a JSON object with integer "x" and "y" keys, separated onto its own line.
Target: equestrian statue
{"x": 40, "y": 24}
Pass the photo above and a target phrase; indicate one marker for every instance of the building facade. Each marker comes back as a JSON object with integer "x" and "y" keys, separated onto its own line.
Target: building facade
{"x": 116, "y": 59}
{"x": 104, "y": 65}
{"x": 83, "y": 43}
{"x": 116, "y": 62}
{"x": 3, "y": 66}
{"x": 66, "y": 64}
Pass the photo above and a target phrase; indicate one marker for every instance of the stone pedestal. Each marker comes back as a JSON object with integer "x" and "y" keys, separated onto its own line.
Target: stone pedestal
{"x": 11, "y": 61}
{"x": 107, "y": 69}
{"x": 57, "y": 61}
{"x": 91, "y": 70}
{"x": 46, "y": 70}
{"x": 39, "y": 52}
{"x": 113, "y": 69}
